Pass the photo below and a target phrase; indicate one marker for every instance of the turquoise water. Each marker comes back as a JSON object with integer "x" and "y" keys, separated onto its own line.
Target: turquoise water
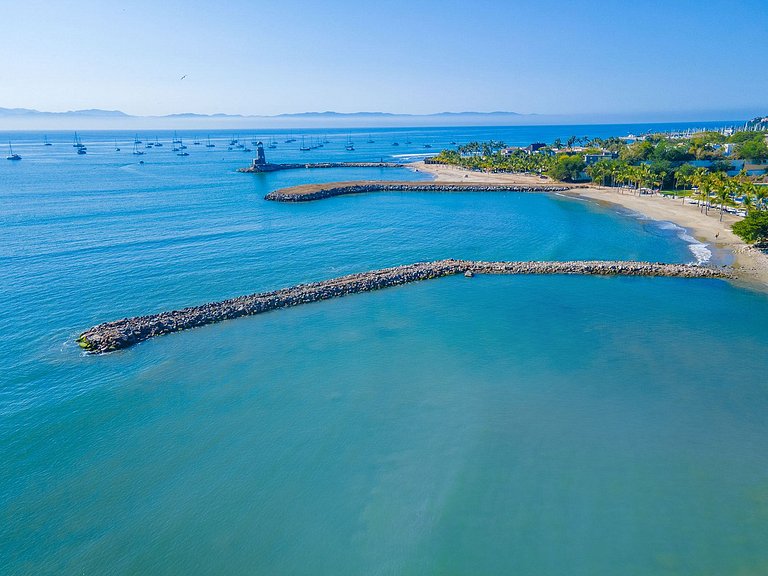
{"x": 495, "y": 425}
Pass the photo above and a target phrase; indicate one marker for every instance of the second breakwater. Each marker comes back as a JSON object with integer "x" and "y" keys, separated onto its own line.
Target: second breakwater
{"x": 307, "y": 192}
{"x": 111, "y": 336}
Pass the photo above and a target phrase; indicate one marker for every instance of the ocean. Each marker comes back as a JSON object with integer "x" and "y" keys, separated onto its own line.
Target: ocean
{"x": 530, "y": 425}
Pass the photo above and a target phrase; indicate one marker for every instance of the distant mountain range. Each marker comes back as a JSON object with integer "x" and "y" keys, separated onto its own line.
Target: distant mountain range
{"x": 96, "y": 113}
{"x": 96, "y": 119}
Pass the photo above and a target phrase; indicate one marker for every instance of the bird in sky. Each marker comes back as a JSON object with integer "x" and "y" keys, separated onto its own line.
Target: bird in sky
{"x": 182, "y": 78}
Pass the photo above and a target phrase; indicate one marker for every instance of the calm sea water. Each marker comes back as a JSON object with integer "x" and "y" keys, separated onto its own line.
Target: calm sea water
{"x": 543, "y": 425}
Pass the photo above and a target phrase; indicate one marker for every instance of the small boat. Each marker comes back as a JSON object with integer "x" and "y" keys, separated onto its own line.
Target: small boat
{"x": 82, "y": 150}
{"x": 427, "y": 145}
{"x": 11, "y": 155}
{"x": 45, "y": 141}
{"x": 148, "y": 145}
{"x": 117, "y": 148}
{"x": 395, "y": 143}
{"x": 209, "y": 145}
{"x": 370, "y": 140}
{"x": 408, "y": 141}
{"x": 183, "y": 154}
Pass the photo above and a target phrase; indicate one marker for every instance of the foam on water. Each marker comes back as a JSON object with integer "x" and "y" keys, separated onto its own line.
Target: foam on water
{"x": 700, "y": 250}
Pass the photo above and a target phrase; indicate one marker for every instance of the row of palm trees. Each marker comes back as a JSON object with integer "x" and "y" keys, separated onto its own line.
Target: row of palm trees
{"x": 488, "y": 158}
{"x": 705, "y": 186}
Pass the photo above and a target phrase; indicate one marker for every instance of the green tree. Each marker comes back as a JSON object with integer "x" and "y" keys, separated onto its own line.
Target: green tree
{"x": 753, "y": 150}
{"x": 567, "y": 168}
{"x": 753, "y": 228}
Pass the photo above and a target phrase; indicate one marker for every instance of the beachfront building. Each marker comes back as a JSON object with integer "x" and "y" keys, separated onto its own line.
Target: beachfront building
{"x": 590, "y": 159}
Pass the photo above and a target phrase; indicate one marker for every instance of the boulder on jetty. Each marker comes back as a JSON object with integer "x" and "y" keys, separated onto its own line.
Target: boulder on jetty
{"x": 112, "y": 336}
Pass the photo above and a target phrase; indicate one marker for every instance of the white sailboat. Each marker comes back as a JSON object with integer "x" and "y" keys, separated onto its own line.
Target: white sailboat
{"x": 11, "y": 155}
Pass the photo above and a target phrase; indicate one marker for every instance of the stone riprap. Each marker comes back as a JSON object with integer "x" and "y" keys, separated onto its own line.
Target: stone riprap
{"x": 123, "y": 333}
{"x": 307, "y": 192}
{"x": 269, "y": 167}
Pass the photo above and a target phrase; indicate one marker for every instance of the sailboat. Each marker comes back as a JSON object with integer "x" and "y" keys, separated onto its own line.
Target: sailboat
{"x": 304, "y": 147}
{"x": 196, "y": 142}
{"x": 182, "y": 148}
{"x": 158, "y": 144}
{"x": 45, "y": 141}
{"x": 209, "y": 145}
{"x": 136, "y": 150}
{"x": 136, "y": 139}
{"x": 11, "y": 155}
{"x": 176, "y": 139}
{"x": 370, "y": 140}
{"x": 81, "y": 149}
{"x": 349, "y": 145}
{"x": 272, "y": 143}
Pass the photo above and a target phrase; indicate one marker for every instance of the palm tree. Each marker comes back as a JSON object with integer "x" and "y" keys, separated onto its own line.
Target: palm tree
{"x": 723, "y": 191}
{"x": 681, "y": 180}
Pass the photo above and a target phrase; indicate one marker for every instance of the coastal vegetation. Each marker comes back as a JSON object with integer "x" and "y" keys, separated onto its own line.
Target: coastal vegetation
{"x": 753, "y": 228}
{"x": 724, "y": 171}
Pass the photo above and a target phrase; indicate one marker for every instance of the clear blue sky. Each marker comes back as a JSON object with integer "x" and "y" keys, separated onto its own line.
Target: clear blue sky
{"x": 537, "y": 56}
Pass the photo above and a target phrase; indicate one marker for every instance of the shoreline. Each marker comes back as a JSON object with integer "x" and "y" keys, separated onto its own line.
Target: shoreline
{"x": 750, "y": 265}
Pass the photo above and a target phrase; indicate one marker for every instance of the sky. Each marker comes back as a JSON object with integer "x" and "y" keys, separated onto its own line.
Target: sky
{"x": 639, "y": 58}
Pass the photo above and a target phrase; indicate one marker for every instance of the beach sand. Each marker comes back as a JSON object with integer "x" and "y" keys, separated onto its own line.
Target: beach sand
{"x": 750, "y": 264}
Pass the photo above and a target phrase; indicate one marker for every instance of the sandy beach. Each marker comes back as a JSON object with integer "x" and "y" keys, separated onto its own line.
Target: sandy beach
{"x": 750, "y": 265}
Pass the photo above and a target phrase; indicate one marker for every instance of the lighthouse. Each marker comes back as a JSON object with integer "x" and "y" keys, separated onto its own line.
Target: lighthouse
{"x": 260, "y": 160}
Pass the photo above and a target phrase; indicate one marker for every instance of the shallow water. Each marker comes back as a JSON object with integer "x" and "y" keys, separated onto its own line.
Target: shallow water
{"x": 534, "y": 425}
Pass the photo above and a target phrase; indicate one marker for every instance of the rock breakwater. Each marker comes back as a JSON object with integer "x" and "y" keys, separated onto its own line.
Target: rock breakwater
{"x": 126, "y": 332}
{"x": 269, "y": 167}
{"x": 307, "y": 192}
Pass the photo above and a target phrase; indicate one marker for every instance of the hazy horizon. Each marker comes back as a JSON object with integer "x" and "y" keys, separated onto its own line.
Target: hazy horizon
{"x": 579, "y": 60}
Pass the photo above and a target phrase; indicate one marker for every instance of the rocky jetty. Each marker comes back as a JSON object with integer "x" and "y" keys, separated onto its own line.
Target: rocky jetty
{"x": 307, "y": 192}
{"x": 123, "y": 333}
{"x": 269, "y": 167}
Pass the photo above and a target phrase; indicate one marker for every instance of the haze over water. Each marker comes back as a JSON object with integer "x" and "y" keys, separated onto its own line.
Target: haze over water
{"x": 531, "y": 425}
